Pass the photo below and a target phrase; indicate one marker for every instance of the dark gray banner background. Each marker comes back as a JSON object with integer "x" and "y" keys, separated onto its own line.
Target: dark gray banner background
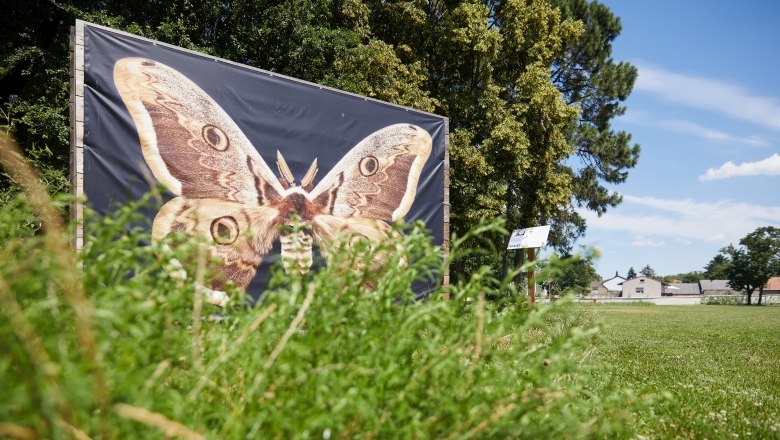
{"x": 303, "y": 121}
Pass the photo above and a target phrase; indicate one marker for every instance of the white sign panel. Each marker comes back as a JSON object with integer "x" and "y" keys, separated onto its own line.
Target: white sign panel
{"x": 529, "y": 237}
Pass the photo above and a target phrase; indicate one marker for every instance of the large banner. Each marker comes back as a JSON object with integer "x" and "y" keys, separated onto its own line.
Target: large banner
{"x": 243, "y": 152}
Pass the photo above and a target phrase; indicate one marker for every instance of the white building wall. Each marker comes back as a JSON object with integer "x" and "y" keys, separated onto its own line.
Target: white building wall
{"x": 642, "y": 287}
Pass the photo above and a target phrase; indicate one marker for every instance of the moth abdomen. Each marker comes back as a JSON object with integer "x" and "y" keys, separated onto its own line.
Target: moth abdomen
{"x": 297, "y": 251}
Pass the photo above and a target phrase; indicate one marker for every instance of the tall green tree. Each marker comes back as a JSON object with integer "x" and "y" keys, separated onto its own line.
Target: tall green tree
{"x": 34, "y": 89}
{"x": 740, "y": 272}
{"x": 631, "y": 273}
{"x": 755, "y": 261}
{"x": 588, "y": 77}
{"x": 648, "y": 271}
{"x": 717, "y": 268}
{"x": 488, "y": 65}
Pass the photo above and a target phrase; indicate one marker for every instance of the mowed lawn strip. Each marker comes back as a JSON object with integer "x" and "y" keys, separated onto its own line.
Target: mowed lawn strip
{"x": 719, "y": 364}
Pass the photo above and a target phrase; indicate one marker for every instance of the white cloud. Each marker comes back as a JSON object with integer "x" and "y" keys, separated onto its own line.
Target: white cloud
{"x": 692, "y": 128}
{"x": 685, "y": 220}
{"x": 755, "y": 140}
{"x": 769, "y": 166}
{"x": 717, "y": 96}
{"x": 642, "y": 241}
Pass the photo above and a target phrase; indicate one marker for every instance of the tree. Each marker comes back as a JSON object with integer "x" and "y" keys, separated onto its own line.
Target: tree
{"x": 717, "y": 268}
{"x": 527, "y": 86}
{"x": 34, "y": 84}
{"x": 488, "y": 66}
{"x": 588, "y": 77}
{"x": 740, "y": 273}
{"x": 685, "y": 277}
{"x": 755, "y": 261}
{"x": 570, "y": 273}
{"x": 648, "y": 271}
{"x": 631, "y": 273}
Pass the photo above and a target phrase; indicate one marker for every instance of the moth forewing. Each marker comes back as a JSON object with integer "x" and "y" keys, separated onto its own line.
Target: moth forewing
{"x": 420, "y": 144}
{"x": 189, "y": 142}
{"x": 378, "y": 177}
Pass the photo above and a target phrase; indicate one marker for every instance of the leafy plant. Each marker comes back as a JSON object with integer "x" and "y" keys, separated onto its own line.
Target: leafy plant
{"x": 724, "y": 300}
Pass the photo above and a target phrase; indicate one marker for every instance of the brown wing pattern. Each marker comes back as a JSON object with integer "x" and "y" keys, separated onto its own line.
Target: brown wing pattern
{"x": 191, "y": 145}
{"x": 241, "y": 235}
{"x": 378, "y": 177}
{"x": 196, "y": 150}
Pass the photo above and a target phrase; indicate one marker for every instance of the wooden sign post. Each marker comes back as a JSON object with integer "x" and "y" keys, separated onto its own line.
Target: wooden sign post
{"x": 531, "y": 239}
{"x": 531, "y": 275}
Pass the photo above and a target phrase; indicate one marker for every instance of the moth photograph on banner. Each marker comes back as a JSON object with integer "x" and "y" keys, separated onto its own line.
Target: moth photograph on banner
{"x": 263, "y": 168}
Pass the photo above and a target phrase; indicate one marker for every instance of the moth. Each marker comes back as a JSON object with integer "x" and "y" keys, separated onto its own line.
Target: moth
{"x": 225, "y": 191}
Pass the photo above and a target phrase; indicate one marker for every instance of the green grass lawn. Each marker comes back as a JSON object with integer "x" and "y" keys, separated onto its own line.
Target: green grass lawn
{"x": 717, "y": 366}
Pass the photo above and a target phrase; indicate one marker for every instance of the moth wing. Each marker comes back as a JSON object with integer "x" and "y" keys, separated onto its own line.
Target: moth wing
{"x": 191, "y": 145}
{"x": 378, "y": 177}
{"x": 337, "y": 234}
{"x": 237, "y": 234}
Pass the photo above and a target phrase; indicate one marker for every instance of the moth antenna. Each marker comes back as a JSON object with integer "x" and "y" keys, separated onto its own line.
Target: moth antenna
{"x": 309, "y": 177}
{"x": 284, "y": 170}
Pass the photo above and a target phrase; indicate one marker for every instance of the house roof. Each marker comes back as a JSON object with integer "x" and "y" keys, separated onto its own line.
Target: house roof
{"x": 682, "y": 288}
{"x": 613, "y": 284}
{"x": 642, "y": 277}
{"x": 773, "y": 284}
{"x": 714, "y": 284}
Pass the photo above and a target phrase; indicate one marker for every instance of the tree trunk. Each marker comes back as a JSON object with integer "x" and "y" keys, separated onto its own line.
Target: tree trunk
{"x": 749, "y": 294}
{"x": 760, "y": 294}
{"x": 517, "y": 263}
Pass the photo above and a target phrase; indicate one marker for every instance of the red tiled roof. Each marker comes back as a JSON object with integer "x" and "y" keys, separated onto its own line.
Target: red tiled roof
{"x": 773, "y": 284}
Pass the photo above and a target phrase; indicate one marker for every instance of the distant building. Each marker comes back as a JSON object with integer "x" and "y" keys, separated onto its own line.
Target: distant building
{"x": 681, "y": 289}
{"x": 642, "y": 287}
{"x": 598, "y": 289}
{"x": 613, "y": 285}
{"x": 716, "y": 287}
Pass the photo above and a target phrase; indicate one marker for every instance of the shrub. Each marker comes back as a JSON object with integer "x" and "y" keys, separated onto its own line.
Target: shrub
{"x": 726, "y": 300}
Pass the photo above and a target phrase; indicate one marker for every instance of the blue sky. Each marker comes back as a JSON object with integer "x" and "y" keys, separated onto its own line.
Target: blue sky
{"x": 706, "y": 113}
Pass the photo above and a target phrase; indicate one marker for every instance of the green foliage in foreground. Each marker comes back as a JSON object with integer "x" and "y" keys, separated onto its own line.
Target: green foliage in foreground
{"x": 717, "y": 364}
{"x": 318, "y": 357}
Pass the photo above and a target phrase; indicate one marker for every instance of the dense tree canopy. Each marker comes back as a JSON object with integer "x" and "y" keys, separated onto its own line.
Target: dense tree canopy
{"x": 528, "y": 85}
{"x": 755, "y": 261}
{"x": 717, "y": 268}
{"x": 648, "y": 271}
{"x": 684, "y": 277}
{"x": 570, "y": 274}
